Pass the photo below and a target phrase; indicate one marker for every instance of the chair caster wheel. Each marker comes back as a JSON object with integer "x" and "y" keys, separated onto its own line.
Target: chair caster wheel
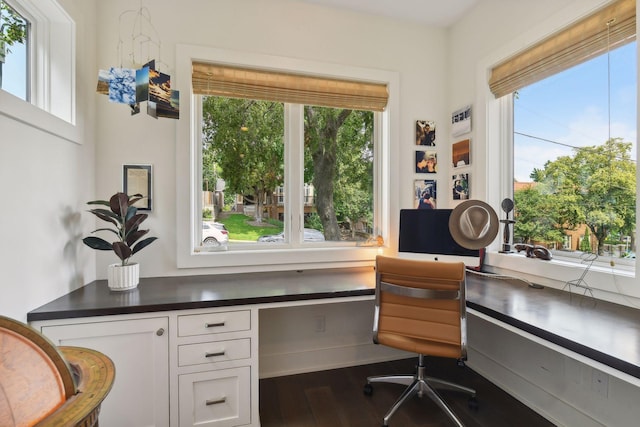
{"x": 473, "y": 403}
{"x": 368, "y": 389}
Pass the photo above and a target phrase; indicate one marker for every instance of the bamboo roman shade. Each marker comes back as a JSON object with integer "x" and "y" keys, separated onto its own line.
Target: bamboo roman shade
{"x": 235, "y": 82}
{"x": 608, "y": 28}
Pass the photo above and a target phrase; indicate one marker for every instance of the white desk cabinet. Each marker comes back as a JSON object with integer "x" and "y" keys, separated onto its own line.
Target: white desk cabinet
{"x": 173, "y": 368}
{"x": 139, "y": 348}
{"x": 217, "y": 367}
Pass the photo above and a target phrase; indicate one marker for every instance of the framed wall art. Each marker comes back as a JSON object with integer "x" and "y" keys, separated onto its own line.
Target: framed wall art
{"x": 137, "y": 179}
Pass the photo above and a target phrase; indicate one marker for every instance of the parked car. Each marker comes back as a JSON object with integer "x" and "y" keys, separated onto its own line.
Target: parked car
{"x": 310, "y": 235}
{"x": 214, "y": 234}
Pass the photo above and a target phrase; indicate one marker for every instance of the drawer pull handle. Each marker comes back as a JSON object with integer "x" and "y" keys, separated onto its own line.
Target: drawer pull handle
{"x": 220, "y": 353}
{"x": 213, "y": 325}
{"x": 216, "y": 401}
{"x": 160, "y": 332}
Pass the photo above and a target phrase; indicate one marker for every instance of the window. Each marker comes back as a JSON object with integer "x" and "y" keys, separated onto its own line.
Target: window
{"x": 40, "y": 89}
{"x": 610, "y": 29}
{"x": 307, "y": 177}
{"x": 243, "y": 146}
{"x": 574, "y": 147}
{"x": 14, "y": 45}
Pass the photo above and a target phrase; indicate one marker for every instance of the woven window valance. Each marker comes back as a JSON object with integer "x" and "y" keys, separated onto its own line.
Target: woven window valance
{"x": 608, "y": 28}
{"x": 223, "y": 80}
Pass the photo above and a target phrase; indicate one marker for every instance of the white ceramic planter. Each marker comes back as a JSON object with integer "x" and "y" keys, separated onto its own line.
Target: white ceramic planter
{"x": 123, "y": 277}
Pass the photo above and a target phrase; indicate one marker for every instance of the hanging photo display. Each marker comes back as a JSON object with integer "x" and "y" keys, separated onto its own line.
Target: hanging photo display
{"x": 131, "y": 87}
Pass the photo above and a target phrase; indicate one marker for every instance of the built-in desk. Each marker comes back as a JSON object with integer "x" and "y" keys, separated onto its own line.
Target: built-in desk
{"x": 603, "y": 332}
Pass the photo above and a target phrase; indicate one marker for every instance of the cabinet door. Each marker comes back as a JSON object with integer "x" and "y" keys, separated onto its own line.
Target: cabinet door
{"x": 139, "y": 349}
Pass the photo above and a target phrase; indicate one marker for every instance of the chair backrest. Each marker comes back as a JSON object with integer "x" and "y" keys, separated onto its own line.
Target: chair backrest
{"x": 420, "y": 306}
{"x": 45, "y": 385}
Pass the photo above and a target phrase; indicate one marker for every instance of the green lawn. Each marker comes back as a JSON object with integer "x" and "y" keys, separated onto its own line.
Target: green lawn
{"x": 240, "y": 229}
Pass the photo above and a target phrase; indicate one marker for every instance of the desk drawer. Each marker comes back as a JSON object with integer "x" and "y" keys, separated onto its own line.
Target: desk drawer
{"x": 214, "y": 352}
{"x": 216, "y": 398}
{"x": 213, "y": 323}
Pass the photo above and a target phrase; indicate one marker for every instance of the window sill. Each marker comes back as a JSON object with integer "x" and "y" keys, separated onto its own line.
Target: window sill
{"x": 24, "y": 112}
{"x": 613, "y": 286}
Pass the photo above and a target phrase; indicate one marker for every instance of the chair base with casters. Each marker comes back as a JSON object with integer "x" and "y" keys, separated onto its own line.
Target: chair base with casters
{"x": 420, "y": 384}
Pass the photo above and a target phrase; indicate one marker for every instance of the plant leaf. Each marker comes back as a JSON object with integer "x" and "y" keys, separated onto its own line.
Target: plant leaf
{"x": 119, "y": 203}
{"x": 143, "y": 244}
{"x": 97, "y": 243}
{"x": 131, "y": 211}
{"x": 106, "y": 215}
{"x": 133, "y": 222}
{"x": 106, "y": 229}
{"x": 122, "y": 250}
{"x": 135, "y": 198}
{"x": 99, "y": 202}
{"x": 134, "y": 236}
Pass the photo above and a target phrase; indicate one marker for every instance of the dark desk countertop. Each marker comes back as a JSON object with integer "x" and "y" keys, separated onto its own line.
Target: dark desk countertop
{"x": 606, "y": 332}
{"x": 188, "y": 292}
{"x": 602, "y": 331}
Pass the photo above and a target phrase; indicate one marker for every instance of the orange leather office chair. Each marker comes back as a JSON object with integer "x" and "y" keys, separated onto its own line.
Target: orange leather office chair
{"x": 420, "y": 307}
{"x": 44, "y": 385}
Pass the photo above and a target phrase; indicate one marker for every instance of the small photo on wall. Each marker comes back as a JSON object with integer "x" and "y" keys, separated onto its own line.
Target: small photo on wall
{"x": 426, "y": 161}
{"x": 461, "y": 121}
{"x": 424, "y": 191}
{"x": 426, "y": 133}
{"x": 460, "y": 186}
{"x": 460, "y": 152}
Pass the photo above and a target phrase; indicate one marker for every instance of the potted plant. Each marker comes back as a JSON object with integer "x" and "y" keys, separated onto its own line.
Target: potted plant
{"x": 126, "y": 219}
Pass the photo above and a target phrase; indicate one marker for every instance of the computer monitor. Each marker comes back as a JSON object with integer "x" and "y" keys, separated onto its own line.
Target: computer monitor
{"x": 424, "y": 234}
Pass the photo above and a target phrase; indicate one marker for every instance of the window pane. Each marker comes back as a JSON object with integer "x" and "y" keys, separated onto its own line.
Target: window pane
{"x": 242, "y": 170}
{"x": 13, "y": 51}
{"x": 338, "y": 178}
{"x": 575, "y": 157}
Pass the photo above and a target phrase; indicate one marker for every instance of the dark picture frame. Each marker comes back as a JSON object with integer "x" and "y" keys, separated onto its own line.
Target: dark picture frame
{"x": 138, "y": 179}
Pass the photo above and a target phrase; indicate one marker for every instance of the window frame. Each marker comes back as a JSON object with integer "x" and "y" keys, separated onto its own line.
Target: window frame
{"x": 495, "y": 120}
{"x": 52, "y": 72}
{"x": 294, "y": 256}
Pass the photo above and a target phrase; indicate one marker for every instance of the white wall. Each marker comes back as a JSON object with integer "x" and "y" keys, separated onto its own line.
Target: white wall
{"x": 276, "y": 28}
{"x": 44, "y": 182}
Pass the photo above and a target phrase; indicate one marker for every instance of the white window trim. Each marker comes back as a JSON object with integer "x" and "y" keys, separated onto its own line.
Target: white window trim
{"x": 187, "y": 156}
{"x": 494, "y": 125}
{"x": 52, "y": 105}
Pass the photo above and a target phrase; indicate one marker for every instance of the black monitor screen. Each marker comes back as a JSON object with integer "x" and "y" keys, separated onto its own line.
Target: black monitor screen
{"x": 426, "y": 231}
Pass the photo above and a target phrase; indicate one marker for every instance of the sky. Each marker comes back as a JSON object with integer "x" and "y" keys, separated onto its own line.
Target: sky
{"x": 572, "y": 108}
{"x": 14, "y": 78}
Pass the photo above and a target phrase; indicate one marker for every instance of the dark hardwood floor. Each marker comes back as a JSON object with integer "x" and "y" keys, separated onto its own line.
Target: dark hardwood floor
{"x": 335, "y": 398}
